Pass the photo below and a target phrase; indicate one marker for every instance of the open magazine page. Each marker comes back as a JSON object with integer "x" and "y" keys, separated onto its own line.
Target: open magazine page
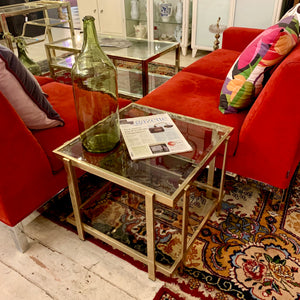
{"x": 151, "y": 136}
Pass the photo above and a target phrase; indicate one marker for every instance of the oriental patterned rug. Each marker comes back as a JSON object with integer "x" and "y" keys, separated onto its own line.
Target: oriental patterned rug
{"x": 251, "y": 250}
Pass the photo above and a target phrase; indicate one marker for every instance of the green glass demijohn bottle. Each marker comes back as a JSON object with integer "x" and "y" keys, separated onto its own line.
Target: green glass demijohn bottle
{"x": 94, "y": 80}
{"x": 32, "y": 66}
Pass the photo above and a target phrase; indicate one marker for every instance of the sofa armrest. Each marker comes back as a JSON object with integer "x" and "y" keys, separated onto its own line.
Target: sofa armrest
{"x": 238, "y": 38}
{"x": 25, "y": 169}
{"x": 270, "y": 135}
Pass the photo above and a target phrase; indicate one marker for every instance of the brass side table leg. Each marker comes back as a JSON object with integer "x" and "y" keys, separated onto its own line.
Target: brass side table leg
{"x": 185, "y": 224}
{"x": 212, "y": 167}
{"x": 6, "y": 33}
{"x": 220, "y": 198}
{"x": 177, "y": 59}
{"x": 49, "y": 59}
{"x": 149, "y": 204}
{"x": 145, "y": 78}
{"x": 75, "y": 196}
{"x": 185, "y": 220}
{"x": 210, "y": 176}
{"x": 70, "y": 18}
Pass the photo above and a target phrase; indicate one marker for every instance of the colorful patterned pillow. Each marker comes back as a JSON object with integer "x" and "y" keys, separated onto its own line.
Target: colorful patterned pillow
{"x": 252, "y": 69}
{"x": 24, "y": 93}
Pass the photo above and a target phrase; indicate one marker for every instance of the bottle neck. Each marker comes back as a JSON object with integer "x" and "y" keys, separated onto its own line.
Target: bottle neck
{"x": 21, "y": 51}
{"x": 90, "y": 38}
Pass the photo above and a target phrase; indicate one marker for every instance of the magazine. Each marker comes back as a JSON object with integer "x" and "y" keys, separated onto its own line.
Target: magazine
{"x": 151, "y": 136}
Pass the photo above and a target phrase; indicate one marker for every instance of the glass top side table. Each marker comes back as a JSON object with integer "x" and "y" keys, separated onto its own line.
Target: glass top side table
{"x": 163, "y": 179}
{"x": 141, "y": 51}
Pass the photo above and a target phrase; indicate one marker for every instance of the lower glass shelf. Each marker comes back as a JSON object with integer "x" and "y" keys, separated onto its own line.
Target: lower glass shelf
{"x": 116, "y": 216}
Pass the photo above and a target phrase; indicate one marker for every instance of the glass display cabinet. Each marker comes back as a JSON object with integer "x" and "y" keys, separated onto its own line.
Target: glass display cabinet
{"x": 167, "y": 20}
{"x": 240, "y": 13}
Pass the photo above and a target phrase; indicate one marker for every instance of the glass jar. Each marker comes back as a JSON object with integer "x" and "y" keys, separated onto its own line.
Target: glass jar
{"x": 94, "y": 80}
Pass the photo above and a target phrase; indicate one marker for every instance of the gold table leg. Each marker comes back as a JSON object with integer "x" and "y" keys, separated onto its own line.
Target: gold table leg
{"x": 220, "y": 198}
{"x": 149, "y": 203}
{"x": 185, "y": 221}
{"x": 75, "y": 196}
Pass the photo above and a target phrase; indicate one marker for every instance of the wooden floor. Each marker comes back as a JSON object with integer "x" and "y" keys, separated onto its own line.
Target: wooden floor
{"x": 60, "y": 266}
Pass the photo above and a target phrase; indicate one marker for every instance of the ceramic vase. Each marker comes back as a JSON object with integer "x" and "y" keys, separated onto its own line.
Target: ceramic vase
{"x": 178, "y": 15}
{"x": 178, "y": 33}
{"x": 134, "y": 10}
{"x": 165, "y": 11}
{"x": 140, "y": 31}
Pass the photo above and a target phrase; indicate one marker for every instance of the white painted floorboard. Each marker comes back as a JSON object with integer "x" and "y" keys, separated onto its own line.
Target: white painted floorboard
{"x": 59, "y": 265}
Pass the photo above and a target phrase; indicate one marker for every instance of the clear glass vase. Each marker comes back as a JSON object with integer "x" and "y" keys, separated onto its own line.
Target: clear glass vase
{"x": 94, "y": 80}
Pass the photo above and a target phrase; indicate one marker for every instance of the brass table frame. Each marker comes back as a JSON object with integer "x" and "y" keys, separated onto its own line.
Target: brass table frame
{"x": 30, "y": 7}
{"x": 150, "y": 195}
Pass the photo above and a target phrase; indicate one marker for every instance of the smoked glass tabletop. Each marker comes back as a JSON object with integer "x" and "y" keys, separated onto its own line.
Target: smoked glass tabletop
{"x": 166, "y": 175}
{"x": 120, "y": 47}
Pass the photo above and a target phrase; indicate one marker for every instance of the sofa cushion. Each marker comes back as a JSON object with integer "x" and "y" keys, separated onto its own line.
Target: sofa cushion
{"x": 62, "y": 100}
{"x": 253, "y": 67}
{"x": 238, "y": 38}
{"x": 43, "y": 79}
{"x": 216, "y": 64}
{"x": 24, "y": 93}
{"x": 196, "y": 96}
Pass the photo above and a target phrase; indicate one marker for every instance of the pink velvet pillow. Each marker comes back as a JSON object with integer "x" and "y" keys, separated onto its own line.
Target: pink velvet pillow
{"x": 24, "y": 93}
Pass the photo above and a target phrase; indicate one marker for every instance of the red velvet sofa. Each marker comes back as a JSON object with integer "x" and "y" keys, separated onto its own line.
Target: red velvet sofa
{"x": 265, "y": 144}
{"x": 30, "y": 172}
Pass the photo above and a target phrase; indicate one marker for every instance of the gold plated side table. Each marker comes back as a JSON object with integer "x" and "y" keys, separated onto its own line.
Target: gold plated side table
{"x": 151, "y": 178}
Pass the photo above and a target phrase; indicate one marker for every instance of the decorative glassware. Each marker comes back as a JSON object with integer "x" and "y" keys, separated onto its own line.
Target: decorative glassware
{"x": 178, "y": 15}
{"x": 165, "y": 10}
{"x": 217, "y": 29}
{"x": 32, "y": 66}
{"x": 94, "y": 80}
{"x": 134, "y": 10}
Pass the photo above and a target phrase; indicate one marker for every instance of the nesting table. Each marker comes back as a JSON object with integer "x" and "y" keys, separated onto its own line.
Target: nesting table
{"x": 31, "y": 7}
{"x": 164, "y": 179}
{"x": 141, "y": 51}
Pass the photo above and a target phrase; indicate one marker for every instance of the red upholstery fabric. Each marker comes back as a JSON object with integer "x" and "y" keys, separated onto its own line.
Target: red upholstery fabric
{"x": 269, "y": 144}
{"x": 265, "y": 145}
{"x": 52, "y": 138}
{"x": 22, "y": 161}
{"x": 27, "y": 180}
{"x": 215, "y": 65}
{"x": 238, "y": 38}
{"x": 44, "y": 79}
{"x": 195, "y": 96}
